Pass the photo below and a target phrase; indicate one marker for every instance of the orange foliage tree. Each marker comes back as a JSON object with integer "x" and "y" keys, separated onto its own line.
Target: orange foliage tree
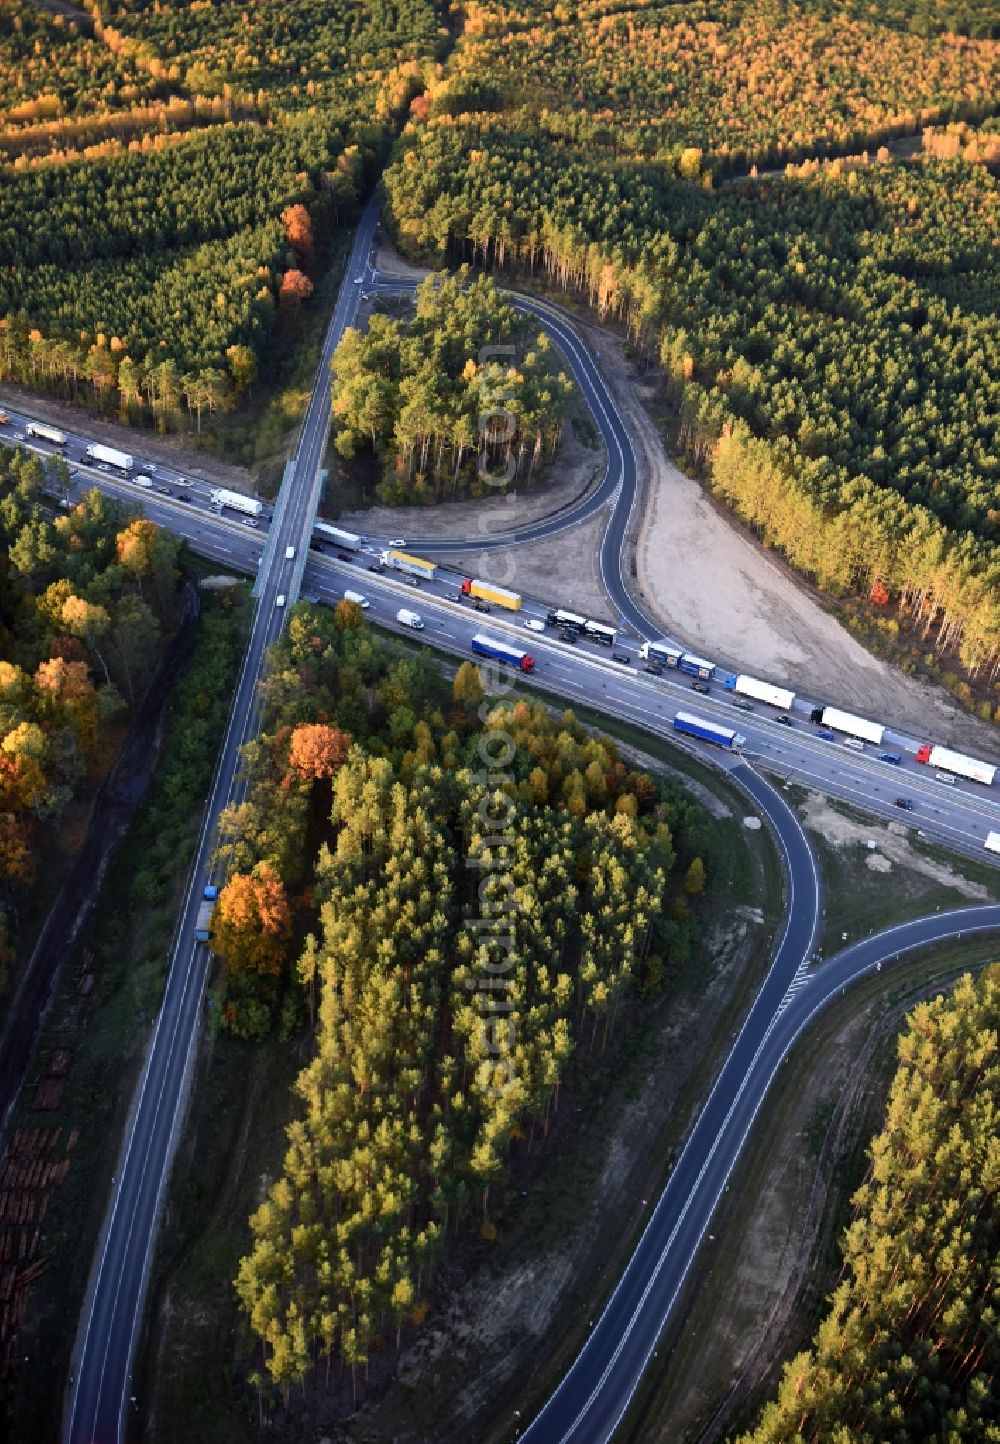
{"x": 295, "y": 287}
{"x": 299, "y": 232}
{"x": 317, "y": 750}
{"x": 252, "y": 923}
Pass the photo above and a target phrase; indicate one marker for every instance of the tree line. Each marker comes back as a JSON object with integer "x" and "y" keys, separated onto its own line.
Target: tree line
{"x": 909, "y": 1347}
{"x": 370, "y": 893}
{"x": 463, "y": 393}
{"x": 86, "y": 599}
{"x": 827, "y": 340}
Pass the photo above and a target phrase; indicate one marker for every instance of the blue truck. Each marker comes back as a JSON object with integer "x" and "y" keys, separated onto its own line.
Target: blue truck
{"x": 502, "y": 652}
{"x": 203, "y": 922}
{"x": 706, "y": 731}
{"x": 696, "y": 666}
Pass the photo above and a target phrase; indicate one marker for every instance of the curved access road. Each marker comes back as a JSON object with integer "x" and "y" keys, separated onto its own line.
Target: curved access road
{"x": 617, "y": 489}
{"x": 591, "y": 1401}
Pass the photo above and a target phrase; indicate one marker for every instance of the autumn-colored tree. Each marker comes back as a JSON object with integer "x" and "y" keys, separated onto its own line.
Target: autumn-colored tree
{"x": 317, "y": 750}
{"x": 135, "y": 547}
{"x": 467, "y": 688}
{"x": 347, "y": 616}
{"x": 879, "y": 594}
{"x": 295, "y": 287}
{"x": 252, "y": 924}
{"x": 299, "y": 233}
{"x": 694, "y": 878}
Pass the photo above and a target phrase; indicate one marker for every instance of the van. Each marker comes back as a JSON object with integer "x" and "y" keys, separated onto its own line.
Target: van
{"x": 854, "y": 743}
{"x": 289, "y": 553}
{"x": 144, "y": 481}
{"x": 358, "y": 599}
{"x": 279, "y": 600}
{"x": 406, "y": 618}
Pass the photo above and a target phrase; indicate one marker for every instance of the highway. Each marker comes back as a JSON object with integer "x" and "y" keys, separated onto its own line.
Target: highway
{"x": 99, "y": 1399}
{"x": 597, "y": 1390}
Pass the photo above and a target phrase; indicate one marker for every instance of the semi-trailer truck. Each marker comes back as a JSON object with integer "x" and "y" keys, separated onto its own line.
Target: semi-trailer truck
{"x": 572, "y": 620}
{"x": 847, "y": 722}
{"x": 410, "y": 566}
{"x": 746, "y": 686}
{"x": 598, "y": 632}
{"x": 992, "y": 843}
{"x": 249, "y": 505}
{"x": 502, "y": 652}
{"x": 110, "y": 456}
{"x": 487, "y": 592}
{"x": 706, "y": 731}
{"x": 662, "y": 652}
{"x": 41, "y": 432}
{"x": 696, "y": 666}
{"x": 348, "y": 540}
{"x": 957, "y": 762}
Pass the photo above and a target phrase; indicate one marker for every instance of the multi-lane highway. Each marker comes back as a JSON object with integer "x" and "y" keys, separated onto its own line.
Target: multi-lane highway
{"x": 100, "y": 1395}
{"x": 597, "y": 1390}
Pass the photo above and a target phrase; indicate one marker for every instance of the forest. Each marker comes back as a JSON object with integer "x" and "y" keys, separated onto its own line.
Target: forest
{"x": 462, "y": 399}
{"x": 151, "y": 166}
{"x": 909, "y": 1347}
{"x": 827, "y": 337}
{"x": 409, "y": 849}
{"x": 86, "y": 599}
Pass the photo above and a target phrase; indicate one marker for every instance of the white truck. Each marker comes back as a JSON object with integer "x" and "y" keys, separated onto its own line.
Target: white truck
{"x": 745, "y": 686}
{"x": 406, "y": 618}
{"x": 110, "y": 456}
{"x": 249, "y": 505}
{"x": 992, "y": 843}
{"x": 41, "y": 432}
{"x": 859, "y": 727}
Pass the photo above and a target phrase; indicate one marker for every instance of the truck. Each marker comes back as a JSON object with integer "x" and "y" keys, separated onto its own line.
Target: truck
{"x": 203, "y": 922}
{"x": 572, "y": 620}
{"x": 46, "y": 433}
{"x": 706, "y": 731}
{"x": 487, "y": 592}
{"x": 746, "y": 686}
{"x": 662, "y": 652}
{"x": 406, "y": 618}
{"x": 410, "y": 566}
{"x": 957, "y": 762}
{"x": 111, "y": 456}
{"x": 598, "y": 632}
{"x": 847, "y": 722}
{"x": 348, "y": 540}
{"x": 696, "y": 666}
{"x": 249, "y": 505}
{"x": 502, "y": 652}
{"x": 992, "y": 843}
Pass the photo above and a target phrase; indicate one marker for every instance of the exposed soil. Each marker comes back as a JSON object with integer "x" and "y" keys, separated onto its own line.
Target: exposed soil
{"x": 170, "y": 450}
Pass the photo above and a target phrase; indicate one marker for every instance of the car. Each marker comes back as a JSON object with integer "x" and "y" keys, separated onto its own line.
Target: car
{"x": 623, "y": 658}
{"x": 289, "y": 553}
{"x": 785, "y": 720}
{"x": 945, "y": 777}
{"x": 744, "y": 706}
{"x": 892, "y": 757}
{"x": 279, "y": 600}
{"x": 183, "y": 481}
{"x": 249, "y": 521}
{"x": 701, "y": 687}
{"x": 375, "y": 567}
{"x": 150, "y": 467}
{"x": 534, "y": 625}
{"x": 164, "y": 491}
{"x": 412, "y": 581}
{"x": 904, "y": 803}
{"x": 344, "y": 557}
{"x": 654, "y": 669}
{"x": 854, "y": 743}
{"x": 480, "y": 607}
{"x": 358, "y": 280}
{"x": 186, "y": 499}
{"x": 398, "y": 541}
{"x": 826, "y": 733}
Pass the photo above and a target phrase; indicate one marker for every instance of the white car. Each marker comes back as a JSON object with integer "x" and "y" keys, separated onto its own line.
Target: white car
{"x": 183, "y": 481}
{"x": 358, "y": 280}
{"x": 279, "y": 600}
{"x": 398, "y": 541}
{"x": 289, "y": 553}
{"x": 248, "y": 521}
{"x": 534, "y": 625}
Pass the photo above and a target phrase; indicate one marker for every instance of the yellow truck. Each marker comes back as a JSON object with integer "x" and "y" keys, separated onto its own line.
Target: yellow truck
{"x": 487, "y": 592}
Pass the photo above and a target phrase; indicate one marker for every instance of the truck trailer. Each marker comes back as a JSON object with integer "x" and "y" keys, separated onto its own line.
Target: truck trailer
{"x": 110, "y": 456}
{"x": 696, "y": 666}
{"x": 992, "y": 843}
{"x": 502, "y": 652}
{"x": 487, "y": 592}
{"x": 348, "y": 540}
{"x": 662, "y": 652}
{"x": 761, "y": 691}
{"x": 957, "y": 762}
{"x": 847, "y": 722}
{"x": 249, "y": 505}
{"x": 572, "y": 620}
{"x": 706, "y": 731}
{"x": 41, "y": 432}
{"x": 410, "y": 566}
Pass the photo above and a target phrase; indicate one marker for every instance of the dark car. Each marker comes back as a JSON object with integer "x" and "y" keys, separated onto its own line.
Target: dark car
{"x": 744, "y": 706}
{"x": 480, "y": 607}
{"x": 701, "y": 687}
{"x": 622, "y": 657}
{"x": 187, "y": 499}
{"x": 344, "y": 557}
{"x": 412, "y": 581}
{"x": 375, "y": 566}
{"x": 654, "y": 668}
{"x": 893, "y": 757}
{"x": 826, "y": 733}
{"x": 785, "y": 720}
{"x": 904, "y": 803}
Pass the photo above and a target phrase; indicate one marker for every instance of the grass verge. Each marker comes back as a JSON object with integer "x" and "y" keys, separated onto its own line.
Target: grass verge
{"x": 103, "y": 1023}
